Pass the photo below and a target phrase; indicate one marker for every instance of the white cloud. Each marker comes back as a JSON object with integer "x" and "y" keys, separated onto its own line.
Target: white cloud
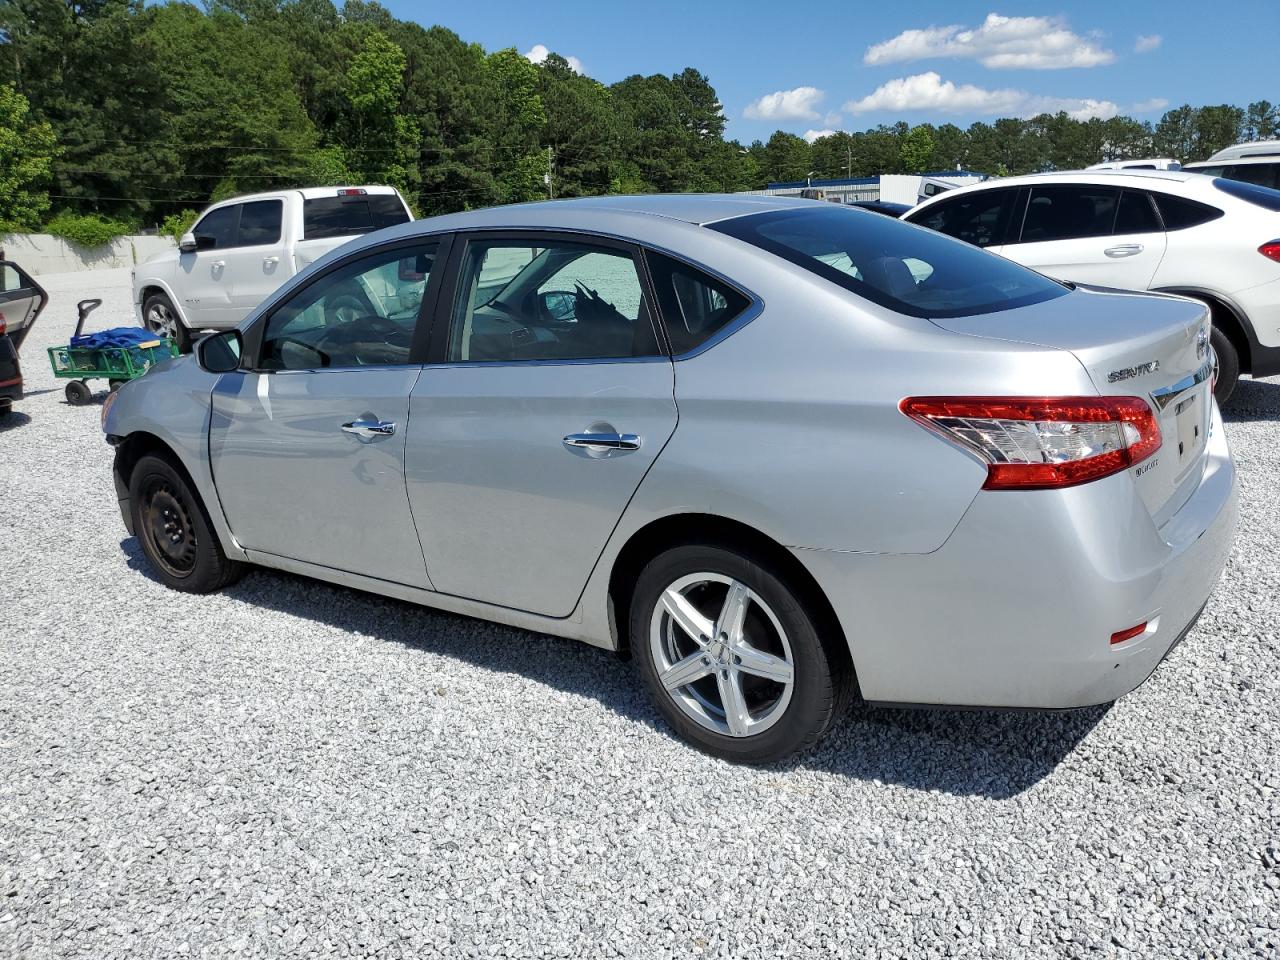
{"x": 797, "y": 104}
{"x": 1149, "y": 106}
{"x": 1001, "y": 43}
{"x": 928, "y": 91}
{"x": 832, "y": 119}
{"x": 812, "y": 135}
{"x": 539, "y": 52}
{"x": 1147, "y": 43}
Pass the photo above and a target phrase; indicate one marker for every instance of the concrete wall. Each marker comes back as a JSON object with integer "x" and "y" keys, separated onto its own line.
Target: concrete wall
{"x": 39, "y": 253}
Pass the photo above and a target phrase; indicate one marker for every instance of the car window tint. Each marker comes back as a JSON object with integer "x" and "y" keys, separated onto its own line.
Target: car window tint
{"x": 1178, "y": 213}
{"x": 346, "y": 216}
{"x": 1069, "y": 212}
{"x": 217, "y": 228}
{"x": 694, "y": 306}
{"x": 1260, "y": 174}
{"x": 360, "y": 314}
{"x": 891, "y": 263}
{"x": 260, "y": 222}
{"x": 561, "y": 301}
{"x": 10, "y": 278}
{"x": 980, "y": 218}
{"x": 1137, "y": 214}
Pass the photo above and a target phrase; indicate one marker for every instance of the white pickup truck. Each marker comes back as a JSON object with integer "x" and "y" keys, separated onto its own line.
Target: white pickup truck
{"x": 242, "y": 249}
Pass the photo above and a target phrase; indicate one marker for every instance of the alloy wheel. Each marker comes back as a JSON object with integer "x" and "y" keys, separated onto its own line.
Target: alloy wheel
{"x": 161, "y": 320}
{"x": 721, "y": 654}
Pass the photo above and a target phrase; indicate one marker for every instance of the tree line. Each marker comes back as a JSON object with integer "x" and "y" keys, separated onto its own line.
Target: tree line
{"x": 135, "y": 112}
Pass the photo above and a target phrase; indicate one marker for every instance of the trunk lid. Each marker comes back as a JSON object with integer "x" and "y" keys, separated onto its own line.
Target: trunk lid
{"x": 1132, "y": 345}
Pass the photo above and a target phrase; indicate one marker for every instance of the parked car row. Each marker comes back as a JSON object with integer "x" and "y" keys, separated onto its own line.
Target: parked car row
{"x": 776, "y": 450}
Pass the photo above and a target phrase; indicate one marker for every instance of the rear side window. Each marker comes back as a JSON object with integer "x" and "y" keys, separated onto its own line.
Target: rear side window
{"x": 324, "y": 217}
{"x": 1260, "y": 174}
{"x": 1070, "y": 212}
{"x": 1250, "y": 193}
{"x": 1137, "y": 214}
{"x": 217, "y": 228}
{"x": 694, "y": 305}
{"x": 260, "y": 222}
{"x": 1178, "y": 213}
{"x": 980, "y": 218}
{"x": 916, "y": 272}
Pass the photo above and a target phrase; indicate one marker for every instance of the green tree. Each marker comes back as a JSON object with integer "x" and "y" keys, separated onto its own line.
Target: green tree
{"x": 381, "y": 141}
{"x": 786, "y": 158}
{"x": 1261, "y": 121}
{"x": 916, "y": 153}
{"x": 27, "y": 150}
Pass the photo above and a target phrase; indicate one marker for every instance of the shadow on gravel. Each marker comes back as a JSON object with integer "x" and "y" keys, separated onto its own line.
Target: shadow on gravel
{"x": 991, "y": 753}
{"x": 1253, "y": 400}
{"x": 13, "y": 420}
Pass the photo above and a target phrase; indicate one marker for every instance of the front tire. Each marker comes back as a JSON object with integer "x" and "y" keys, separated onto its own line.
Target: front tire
{"x": 1228, "y": 365}
{"x": 733, "y": 655}
{"x": 174, "y": 530}
{"x": 159, "y": 316}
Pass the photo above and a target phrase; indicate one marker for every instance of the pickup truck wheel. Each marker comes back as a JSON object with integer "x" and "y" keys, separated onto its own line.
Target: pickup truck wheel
{"x": 161, "y": 319}
{"x": 174, "y": 530}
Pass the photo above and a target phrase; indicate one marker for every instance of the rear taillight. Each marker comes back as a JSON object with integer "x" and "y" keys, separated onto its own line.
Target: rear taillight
{"x": 1271, "y": 250}
{"x": 1035, "y": 443}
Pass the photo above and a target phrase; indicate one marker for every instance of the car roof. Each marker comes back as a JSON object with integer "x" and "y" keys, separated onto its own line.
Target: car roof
{"x": 1269, "y": 158}
{"x": 1254, "y": 148}
{"x": 308, "y": 193}
{"x": 694, "y": 208}
{"x": 1175, "y": 181}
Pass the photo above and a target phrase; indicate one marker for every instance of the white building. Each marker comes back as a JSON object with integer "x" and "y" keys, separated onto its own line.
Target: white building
{"x": 893, "y": 187}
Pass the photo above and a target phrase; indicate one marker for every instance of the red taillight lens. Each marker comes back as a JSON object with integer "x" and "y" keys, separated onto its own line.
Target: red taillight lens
{"x": 1271, "y": 250}
{"x": 1037, "y": 443}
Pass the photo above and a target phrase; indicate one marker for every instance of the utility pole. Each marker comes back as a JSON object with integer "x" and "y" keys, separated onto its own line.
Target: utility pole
{"x": 551, "y": 190}
{"x": 848, "y": 161}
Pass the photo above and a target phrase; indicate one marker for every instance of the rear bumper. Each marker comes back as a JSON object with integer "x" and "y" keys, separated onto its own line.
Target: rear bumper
{"x": 1017, "y": 608}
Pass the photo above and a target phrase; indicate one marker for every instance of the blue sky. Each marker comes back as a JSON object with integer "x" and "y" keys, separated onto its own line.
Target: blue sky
{"x": 809, "y": 67}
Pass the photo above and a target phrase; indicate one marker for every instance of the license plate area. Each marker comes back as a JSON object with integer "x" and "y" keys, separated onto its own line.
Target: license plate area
{"x": 1191, "y": 428}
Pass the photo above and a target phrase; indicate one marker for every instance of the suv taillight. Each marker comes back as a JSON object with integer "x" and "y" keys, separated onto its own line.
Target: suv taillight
{"x": 1037, "y": 443}
{"x": 1271, "y": 250}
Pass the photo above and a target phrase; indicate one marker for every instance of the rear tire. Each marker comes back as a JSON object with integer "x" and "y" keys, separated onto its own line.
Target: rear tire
{"x": 756, "y": 688}
{"x": 1228, "y": 365}
{"x": 78, "y": 393}
{"x": 174, "y": 530}
{"x": 159, "y": 316}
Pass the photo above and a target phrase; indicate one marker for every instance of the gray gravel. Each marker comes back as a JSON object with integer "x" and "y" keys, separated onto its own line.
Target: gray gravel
{"x": 296, "y": 769}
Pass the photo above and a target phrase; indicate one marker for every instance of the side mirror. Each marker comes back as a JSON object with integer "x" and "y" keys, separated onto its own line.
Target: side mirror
{"x": 559, "y": 305}
{"x": 188, "y": 242}
{"x": 219, "y": 352}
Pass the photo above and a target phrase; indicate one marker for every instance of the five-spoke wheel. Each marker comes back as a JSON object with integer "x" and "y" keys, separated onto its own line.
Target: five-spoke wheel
{"x": 729, "y": 647}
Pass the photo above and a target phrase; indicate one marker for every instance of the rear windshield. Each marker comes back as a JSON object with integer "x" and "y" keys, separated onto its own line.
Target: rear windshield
{"x": 1250, "y": 192}
{"x": 908, "y": 269}
{"x": 347, "y": 216}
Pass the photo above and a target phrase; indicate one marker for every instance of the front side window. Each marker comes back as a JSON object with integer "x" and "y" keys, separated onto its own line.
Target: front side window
{"x": 519, "y": 300}
{"x": 1070, "y": 212}
{"x": 217, "y": 228}
{"x": 980, "y": 218}
{"x": 260, "y": 223}
{"x": 911, "y": 271}
{"x": 361, "y": 314}
{"x": 694, "y": 305}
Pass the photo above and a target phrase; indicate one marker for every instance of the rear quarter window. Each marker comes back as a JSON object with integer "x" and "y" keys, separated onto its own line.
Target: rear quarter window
{"x": 1179, "y": 213}
{"x": 695, "y": 306}
{"x": 324, "y": 217}
{"x": 910, "y": 271}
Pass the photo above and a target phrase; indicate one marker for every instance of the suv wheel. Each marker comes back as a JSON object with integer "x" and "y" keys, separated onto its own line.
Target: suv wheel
{"x": 1228, "y": 365}
{"x": 732, "y": 657}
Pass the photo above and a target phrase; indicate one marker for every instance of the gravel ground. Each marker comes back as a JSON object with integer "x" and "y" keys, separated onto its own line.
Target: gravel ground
{"x": 296, "y": 769}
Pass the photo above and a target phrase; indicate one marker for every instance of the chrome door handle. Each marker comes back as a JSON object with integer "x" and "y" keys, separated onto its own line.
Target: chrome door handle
{"x": 603, "y": 441}
{"x": 217, "y": 264}
{"x": 1123, "y": 250}
{"x": 370, "y": 428}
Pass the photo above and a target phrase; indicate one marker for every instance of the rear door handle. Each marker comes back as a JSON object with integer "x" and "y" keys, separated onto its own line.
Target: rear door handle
{"x": 270, "y": 260}
{"x": 218, "y": 264}
{"x": 368, "y": 429}
{"x": 603, "y": 441}
{"x": 1123, "y": 250}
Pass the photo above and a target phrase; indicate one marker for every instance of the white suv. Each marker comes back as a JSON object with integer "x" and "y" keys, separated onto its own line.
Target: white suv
{"x": 242, "y": 249}
{"x": 1213, "y": 239}
{"x": 1257, "y": 162}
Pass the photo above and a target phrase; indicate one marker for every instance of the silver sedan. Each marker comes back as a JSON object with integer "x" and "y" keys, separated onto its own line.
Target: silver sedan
{"x": 777, "y": 451}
